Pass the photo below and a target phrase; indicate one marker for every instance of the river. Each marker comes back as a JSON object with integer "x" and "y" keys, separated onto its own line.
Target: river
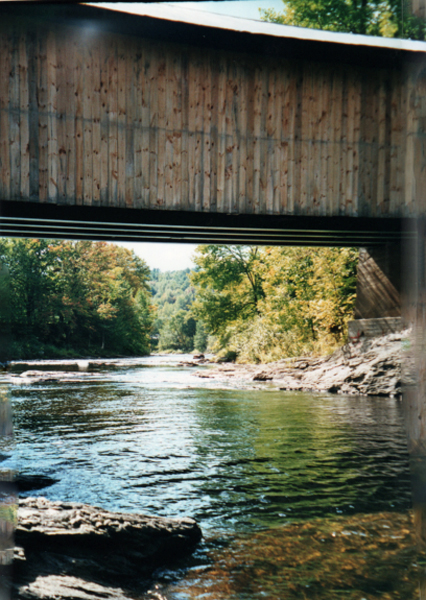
{"x": 298, "y": 495}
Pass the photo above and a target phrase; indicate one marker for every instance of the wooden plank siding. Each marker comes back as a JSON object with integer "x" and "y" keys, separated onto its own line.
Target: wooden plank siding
{"x": 127, "y": 122}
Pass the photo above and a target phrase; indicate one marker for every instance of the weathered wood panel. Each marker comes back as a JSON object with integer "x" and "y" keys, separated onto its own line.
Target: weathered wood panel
{"x": 119, "y": 121}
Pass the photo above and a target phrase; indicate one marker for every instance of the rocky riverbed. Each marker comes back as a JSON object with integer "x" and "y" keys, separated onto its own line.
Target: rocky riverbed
{"x": 367, "y": 366}
{"x": 67, "y": 550}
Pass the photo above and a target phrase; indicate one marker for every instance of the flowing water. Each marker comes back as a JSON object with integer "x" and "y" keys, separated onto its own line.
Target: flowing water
{"x": 298, "y": 495}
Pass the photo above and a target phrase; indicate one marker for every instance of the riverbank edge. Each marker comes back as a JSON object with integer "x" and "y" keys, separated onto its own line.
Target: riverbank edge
{"x": 367, "y": 366}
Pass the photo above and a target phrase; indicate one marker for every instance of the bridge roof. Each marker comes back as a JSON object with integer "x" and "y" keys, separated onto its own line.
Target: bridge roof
{"x": 168, "y": 23}
{"x": 203, "y": 18}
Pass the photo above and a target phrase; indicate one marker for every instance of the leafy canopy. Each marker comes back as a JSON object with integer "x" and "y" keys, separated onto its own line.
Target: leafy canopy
{"x": 264, "y": 304}
{"x": 387, "y": 18}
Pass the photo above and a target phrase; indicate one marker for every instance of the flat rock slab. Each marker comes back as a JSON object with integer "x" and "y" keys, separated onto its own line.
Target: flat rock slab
{"x": 367, "y": 366}
{"x": 65, "y": 550}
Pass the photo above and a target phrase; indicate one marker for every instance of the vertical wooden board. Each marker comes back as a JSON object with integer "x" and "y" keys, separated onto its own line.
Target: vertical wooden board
{"x": 251, "y": 82}
{"x": 14, "y": 121}
{"x": 351, "y": 94}
{"x": 374, "y": 144}
{"x": 221, "y": 127}
{"x": 241, "y": 131}
{"x": 214, "y": 136}
{"x": 235, "y": 90}
{"x": 43, "y": 118}
{"x": 281, "y": 142}
{"x": 301, "y": 205}
{"x": 5, "y": 57}
{"x": 362, "y": 143}
{"x": 105, "y": 49}
{"x": 331, "y": 146}
{"x": 177, "y": 131}
{"x": 130, "y": 110}
{"x": 272, "y": 104}
{"x": 381, "y": 144}
{"x": 88, "y": 96}
{"x": 397, "y": 145}
{"x": 52, "y": 119}
{"x": 290, "y": 131}
{"x": 343, "y": 171}
{"x": 96, "y": 116}
{"x": 388, "y": 140}
{"x": 153, "y": 126}
{"x": 78, "y": 57}
{"x": 146, "y": 50}
{"x": 68, "y": 59}
{"x": 356, "y": 142}
{"x": 24, "y": 106}
{"x": 207, "y": 120}
{"x": 418, "y": 172}
{"x": 405, "y": 102}
{"x": 182, "y": 200}
{"x": 324, "y": 140}
{"x": 121, "y": 121}
{"x": 33, "y": 60}
{"x": 198, "y": 126}
{"x": 335, "y": 176}
{"x": 137, "y": 76}
{"x": 373, "y": 138}
{"x": 264, "y": 148}
{"x": 298, "y": 141}
{"x": 170, "y": 99}
{"x": 315, "y": 161}
{"x": 62, "y": 49}
{"x": 112, "y": 67}
{"x": 257, "y": 124}
{"x": 161, "y": 138}
{"x": 190, "y": 203}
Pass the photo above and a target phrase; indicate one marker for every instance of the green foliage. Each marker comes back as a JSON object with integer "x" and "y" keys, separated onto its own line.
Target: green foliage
{"x": 200, "y": 337}
{"x": 270, "y": 303}
{"x": 387, "y": 18}
{"x": 173, "y": 295}
{"x": 229, "y": 286}
{"x": 76, "y": 296}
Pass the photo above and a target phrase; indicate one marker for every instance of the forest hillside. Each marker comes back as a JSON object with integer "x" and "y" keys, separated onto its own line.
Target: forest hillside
{"x": 62, "y": 298}
{"x": 245, "y": 303}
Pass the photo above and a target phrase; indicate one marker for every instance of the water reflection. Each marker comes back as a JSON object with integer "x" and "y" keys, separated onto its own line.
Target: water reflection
{"x": 269, "y": 475}
{"x": 358, "y": 557}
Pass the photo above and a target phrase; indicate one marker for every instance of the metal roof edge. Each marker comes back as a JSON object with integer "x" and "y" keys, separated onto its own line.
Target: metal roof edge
{"x": 201, "y": 18}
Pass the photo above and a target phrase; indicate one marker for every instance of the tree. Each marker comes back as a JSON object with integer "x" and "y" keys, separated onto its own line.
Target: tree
{"x": 76, "y": 296}
{"x": 177, "y": 332}
{"x": 264, "y": 304}
{"x": 311, "y": 292}
{"x": 200, "y": 337}
{"x": 229, "y": 286}
{"x": 387, "y": 18}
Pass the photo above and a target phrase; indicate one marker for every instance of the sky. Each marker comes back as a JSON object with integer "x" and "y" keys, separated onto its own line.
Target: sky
{"x": 166, "y": 257}
{"x": 174, "y": 257}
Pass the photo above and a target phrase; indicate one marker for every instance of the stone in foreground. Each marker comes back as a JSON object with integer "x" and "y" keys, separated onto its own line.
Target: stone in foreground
{"x": 68, "y": 550}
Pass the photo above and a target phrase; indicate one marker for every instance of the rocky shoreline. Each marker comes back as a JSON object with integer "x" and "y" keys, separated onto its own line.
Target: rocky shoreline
{"x": 68, "y": 550}
{"x": 366, "y": 366}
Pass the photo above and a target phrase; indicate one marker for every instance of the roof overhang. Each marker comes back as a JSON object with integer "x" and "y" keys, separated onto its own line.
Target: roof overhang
{"x": 165, "y": 22}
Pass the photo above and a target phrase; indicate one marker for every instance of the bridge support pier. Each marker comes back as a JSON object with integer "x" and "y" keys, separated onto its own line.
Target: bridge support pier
{"x": 378, "y": 292}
